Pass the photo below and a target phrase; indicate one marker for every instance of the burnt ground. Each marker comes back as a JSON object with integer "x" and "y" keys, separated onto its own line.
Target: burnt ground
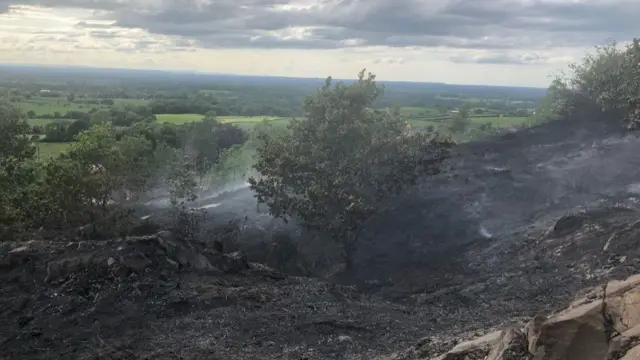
{"x": 559, "y": 202}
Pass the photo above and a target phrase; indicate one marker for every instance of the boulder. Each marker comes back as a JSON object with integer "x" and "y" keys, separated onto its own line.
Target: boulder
{"x": 623, "y": 303}
{"x": 633, "y": 354}
{"x": 476, "y": 349}
{"x": 60, "y": 269}
{"x": 512, "y": 345}
{"x": 136, "y": 262}
{"x": 577, "y": 333}
{"x": 231, "y": 263}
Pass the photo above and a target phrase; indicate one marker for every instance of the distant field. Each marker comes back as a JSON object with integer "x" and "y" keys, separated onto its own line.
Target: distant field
{"x": 412, "y": 112}
{"x": 48, "y": 150}
{"x": 500, "y": 121}
{"x": 135, "y": 102}
{"x": 178, "y": 119}
{"x": 242, "y": 121}
{"x": 51, "y": 106}
{"x": 39, "y": 122}
{"x": 419, "y": 123}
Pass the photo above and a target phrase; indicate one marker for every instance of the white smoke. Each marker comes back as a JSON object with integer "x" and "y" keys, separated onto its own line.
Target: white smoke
{"x": 484, "y": 233}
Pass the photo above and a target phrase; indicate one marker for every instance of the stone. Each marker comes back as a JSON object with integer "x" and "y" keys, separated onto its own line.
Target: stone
{"x": 633, "y": 354}
{"x": 111, "y": 261}
{"x": 623, "y": 303}
{"x": 512, "y": 345}
{"x": 476, "y": 349}
{"x": 16, "y": 257}
{"x": 19, "y": 250}
{"x": 344, "y": 338}
{"x": 62, "y": 268}
{"x": 232, "y": 263}
{"x": 575, "y": 334}
{"x": 136, "y": 262}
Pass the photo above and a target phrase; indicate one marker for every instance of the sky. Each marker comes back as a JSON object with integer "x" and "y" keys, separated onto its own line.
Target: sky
{"x": 492, "y": 42}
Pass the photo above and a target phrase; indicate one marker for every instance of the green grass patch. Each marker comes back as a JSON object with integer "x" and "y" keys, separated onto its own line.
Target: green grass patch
{"x": 248, "y": 119}
{"x": 133, "y": 102}
{"x": 417, "y": 112}
{"x": 51, "y": 106}
{"x": 420, "y": 123}
{"x": 501, "y": 121}
{"x": 179, "y": 119}
{"x": 48, "y": 150}
{"x": 40, "y": 122}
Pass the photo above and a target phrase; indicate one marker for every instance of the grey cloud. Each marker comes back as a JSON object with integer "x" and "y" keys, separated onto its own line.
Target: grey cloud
{"x": 501, "y": 58}
{"x": 468, "y": 24}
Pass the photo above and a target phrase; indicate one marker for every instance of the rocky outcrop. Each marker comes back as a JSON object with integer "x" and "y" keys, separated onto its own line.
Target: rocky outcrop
{"x": 601, "y": 324}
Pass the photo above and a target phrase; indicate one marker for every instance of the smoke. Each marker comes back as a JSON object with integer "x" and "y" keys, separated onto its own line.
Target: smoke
{"x": 484, "y": 233}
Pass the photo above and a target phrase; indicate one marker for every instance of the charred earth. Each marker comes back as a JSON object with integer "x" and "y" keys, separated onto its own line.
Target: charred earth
{"x": 519, "y": 224}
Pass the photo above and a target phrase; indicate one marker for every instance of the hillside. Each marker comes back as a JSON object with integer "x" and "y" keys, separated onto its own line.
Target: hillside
{"x": 520, "y": 225}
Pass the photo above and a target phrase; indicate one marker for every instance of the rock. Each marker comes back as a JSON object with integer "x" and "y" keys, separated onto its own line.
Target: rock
{"x": 512, "y": 345}
{"x": 111, "y": 261}
{"x": 569, "y": 223}
{"x": 623, "y": 303}
{"x": 232, "y": 263}
{"x": 476, "y": 349}
{"x": 576, "y": 334}
{"x": 19, "y": 250}
{"x": 136, "y": 262}
{"x": 62, "y": 268}
{"x": 633, "y": 354}
{"x": 344, "y": 339}
{"x": 16, "y": 257}
{"x": 621, "y": 345}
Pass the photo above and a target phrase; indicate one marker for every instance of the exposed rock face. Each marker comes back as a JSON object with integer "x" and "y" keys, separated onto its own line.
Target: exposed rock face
{"x": 604, "y": 324}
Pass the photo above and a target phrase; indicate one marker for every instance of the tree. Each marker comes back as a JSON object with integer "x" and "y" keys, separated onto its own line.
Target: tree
{"x": 31, "y": 114}
{"x": 460, "y": 121}
{"x": 57, "y": 131}
{"x": 340, "y": 163}
{"x": 17, "y": 171}
{"x": 76, "y": 128}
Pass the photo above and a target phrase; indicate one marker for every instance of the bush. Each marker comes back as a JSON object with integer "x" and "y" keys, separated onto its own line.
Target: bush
{"x": 608, "y": 80}
{"x": 335, "y": 168}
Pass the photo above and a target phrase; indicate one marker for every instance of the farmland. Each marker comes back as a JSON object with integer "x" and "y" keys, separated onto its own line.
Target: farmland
{"x": 46, "y": 150}
{"x": 136, "y": 97}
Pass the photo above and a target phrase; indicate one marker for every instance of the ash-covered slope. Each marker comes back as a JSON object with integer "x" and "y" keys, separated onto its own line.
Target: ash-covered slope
{"x": 498, "y": 188}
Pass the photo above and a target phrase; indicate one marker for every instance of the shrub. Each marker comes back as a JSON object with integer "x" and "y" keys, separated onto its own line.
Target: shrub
{"x": 338, "y": 165}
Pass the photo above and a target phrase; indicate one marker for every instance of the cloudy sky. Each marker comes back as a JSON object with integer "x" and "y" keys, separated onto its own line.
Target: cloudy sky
{"x": 514, "y": 42}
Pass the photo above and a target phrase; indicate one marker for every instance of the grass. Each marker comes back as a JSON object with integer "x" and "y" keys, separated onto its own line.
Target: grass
{"x": 134, "y": 102}
{"x": 242, "y": 121}
{"x": 39, "y": 122}
{"x": 417, "y": 112}
{"x": 178, "y": 119}
{"x": 51, "y": 106}
{"x": 48, "y": 150}
{"x": 43, "y": 105}
{"x": 500, "y": 121}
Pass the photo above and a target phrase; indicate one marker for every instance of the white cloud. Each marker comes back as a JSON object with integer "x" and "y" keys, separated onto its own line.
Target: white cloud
{"x": 460, "y": 41}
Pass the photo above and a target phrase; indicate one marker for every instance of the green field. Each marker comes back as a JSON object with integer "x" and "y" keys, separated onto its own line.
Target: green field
{"x": 134, "y": 102}
{"x": 51, "y": 106}
{"x": 41, "y": 105}
{"x": 500, "y": 121}
{"x": 39, "y": 122}
{"x": 418, "y": 112}
{"x": 50, "y": 149}
{"x": 242, "y": 121}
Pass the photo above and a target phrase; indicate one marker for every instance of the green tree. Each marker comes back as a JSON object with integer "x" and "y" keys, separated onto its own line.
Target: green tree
{"x": 335, "y": 167}
{"x": 461, "y": 121}
{"x": 17, "y": 170}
